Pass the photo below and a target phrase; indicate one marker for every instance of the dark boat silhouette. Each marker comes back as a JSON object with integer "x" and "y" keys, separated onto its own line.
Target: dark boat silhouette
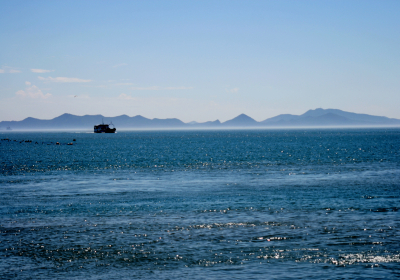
{"x": 104, "y": 128}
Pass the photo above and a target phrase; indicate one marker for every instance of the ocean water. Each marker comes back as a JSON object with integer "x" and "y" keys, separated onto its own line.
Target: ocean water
{"x": 234, "y": 204}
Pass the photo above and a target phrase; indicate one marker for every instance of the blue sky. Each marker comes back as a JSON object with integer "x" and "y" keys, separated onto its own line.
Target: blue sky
{"x": 198, "y": 60}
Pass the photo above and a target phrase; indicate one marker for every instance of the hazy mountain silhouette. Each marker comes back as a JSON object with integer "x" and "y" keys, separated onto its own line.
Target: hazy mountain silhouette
{"x": 317, "y": 117}
{"x": 329, "y": 117}
{"x": 210, "y": 124}
{"x": 241, "y": 121}
{"x": 68, "y": 121}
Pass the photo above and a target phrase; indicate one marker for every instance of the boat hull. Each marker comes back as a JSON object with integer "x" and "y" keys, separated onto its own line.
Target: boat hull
{"x": 110, "y": 130}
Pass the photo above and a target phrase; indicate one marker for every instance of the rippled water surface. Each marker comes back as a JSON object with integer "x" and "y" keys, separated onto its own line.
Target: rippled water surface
{"x": 244, "y": 204}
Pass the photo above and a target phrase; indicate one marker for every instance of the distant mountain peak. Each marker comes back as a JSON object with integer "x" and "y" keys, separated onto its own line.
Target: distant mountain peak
{"x": 243, "y": 117}
{"x": 241, "y": 120}
{"x": 65, "y": 115}
{"x": 321, "y": 111}
{"x": 140, "y": 117}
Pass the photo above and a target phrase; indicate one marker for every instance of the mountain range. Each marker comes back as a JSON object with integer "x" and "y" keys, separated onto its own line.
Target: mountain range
{"x": 312, "y": 118}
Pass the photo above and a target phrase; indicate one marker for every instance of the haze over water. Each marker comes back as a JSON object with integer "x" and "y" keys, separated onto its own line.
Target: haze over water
{"x": 253, "y": 204}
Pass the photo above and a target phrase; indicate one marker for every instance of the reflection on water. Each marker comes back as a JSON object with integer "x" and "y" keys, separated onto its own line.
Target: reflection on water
{"x": 235, "y": 204}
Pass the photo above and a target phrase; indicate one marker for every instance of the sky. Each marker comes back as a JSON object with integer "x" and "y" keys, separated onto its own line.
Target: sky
{"x": 198, "y": 60}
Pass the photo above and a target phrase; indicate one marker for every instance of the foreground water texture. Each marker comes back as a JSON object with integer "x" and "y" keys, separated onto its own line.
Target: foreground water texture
{"x": 253, "y": 204}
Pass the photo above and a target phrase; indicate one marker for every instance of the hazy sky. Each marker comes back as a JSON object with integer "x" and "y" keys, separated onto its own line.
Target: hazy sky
{"x": 198, "y": 60}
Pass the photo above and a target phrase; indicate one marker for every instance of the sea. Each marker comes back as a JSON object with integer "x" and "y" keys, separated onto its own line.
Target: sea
{"x": 201, "y": 204}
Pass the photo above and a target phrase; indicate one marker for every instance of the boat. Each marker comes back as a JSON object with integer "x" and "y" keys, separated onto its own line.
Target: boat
{"x": 104, "y": 128}
{"x": 9, "y": 128}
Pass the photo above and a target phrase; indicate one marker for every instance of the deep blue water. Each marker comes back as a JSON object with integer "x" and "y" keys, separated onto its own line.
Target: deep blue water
{"x": 239, "y": 204}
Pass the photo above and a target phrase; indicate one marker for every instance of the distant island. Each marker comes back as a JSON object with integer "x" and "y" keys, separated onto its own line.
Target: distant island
{"x": 312, "y": 118}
